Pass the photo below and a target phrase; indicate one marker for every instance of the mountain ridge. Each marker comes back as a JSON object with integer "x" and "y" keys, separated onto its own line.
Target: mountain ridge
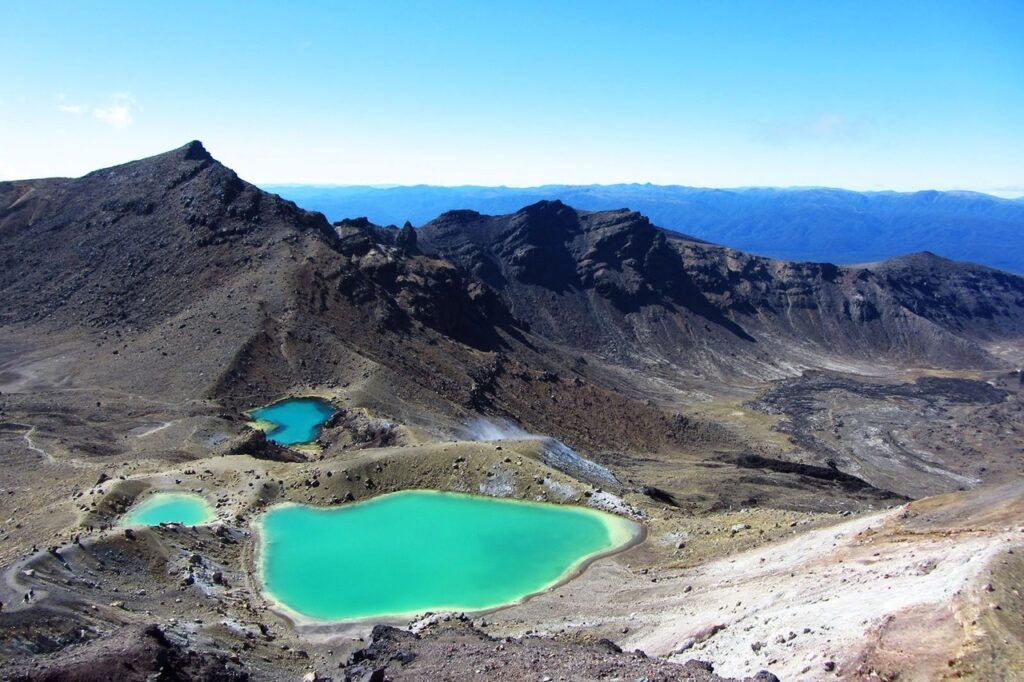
{"x": 620, "y": 257}
{"x": 175, "y": 256}
{"x": 176, "y": 224}
{"x": 815, "y": 224}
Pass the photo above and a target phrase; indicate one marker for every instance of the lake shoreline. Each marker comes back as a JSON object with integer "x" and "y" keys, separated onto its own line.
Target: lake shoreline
{"x": 624, "y": 535}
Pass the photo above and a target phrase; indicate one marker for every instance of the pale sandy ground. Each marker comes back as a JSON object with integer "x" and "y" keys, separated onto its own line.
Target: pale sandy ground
{"x": 895, "y": 592}
{"x": 836, "y": 582}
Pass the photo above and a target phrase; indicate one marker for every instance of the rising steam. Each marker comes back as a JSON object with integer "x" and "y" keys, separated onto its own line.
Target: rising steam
{"x": 557, "y": 454}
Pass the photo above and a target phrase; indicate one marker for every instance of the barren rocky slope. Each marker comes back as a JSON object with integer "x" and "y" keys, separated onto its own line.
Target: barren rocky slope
{"x": 173, "y": 271}
{"x": 176, "y": 251}
{"x": 613, "y": 283}
{"x": 728, "y": 402}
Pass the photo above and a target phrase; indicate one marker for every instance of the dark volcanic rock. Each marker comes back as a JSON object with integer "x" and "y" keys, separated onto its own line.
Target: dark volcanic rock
{"x": 932, "y": 435}
{"x": 870, "y": 312}
{"x": 579, "y": 278}
{"x": 173, "y": 272}
{"x": 455, "y": 650}
{"x": 845, "y": 481}
{"x": 975, "y": 300}
{"x": 255, "y": 444}
{"x": 612, "y": 283}
{"x": 134, "y": 243}
{"x": 178, "y": 247}
{"x": 133, "y": 653}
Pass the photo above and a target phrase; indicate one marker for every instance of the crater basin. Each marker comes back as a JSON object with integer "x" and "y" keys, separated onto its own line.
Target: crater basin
{"x": 184, "y": 508}
{"x": 414, "y": 551}
{"x": 294, "y": 421}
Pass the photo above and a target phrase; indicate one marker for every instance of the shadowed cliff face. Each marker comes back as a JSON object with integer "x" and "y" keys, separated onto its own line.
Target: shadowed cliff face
{"x": 612, "y": 283}
{"x": 973, "y": 300}
{"x": 918, "y": 309}
{"x": 548, "y": 245}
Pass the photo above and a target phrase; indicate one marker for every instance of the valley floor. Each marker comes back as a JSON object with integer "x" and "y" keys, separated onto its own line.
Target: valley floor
{"x": 749, "y": 564}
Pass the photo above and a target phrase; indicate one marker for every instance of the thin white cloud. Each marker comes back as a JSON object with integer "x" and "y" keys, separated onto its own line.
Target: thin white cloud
{"x": 821, "y": 128}
{"x": 1007, "y": 191}
{"x": 65, "y": 107}
{"x": 116, "y": 115}
{"x": 120, "y": 112}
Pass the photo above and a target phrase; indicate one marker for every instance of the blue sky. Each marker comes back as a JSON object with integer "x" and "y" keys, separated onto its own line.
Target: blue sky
{"x": 865, "y": 95}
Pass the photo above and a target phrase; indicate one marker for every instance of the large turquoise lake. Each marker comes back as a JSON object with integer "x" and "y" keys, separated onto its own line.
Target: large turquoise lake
{"x": 416, "y": 551}
{"x": 184, "y": 508}
{"x": 296, "y": 420}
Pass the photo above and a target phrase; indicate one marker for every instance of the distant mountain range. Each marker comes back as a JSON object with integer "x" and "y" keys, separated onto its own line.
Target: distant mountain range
{"x": 809, "y": 224}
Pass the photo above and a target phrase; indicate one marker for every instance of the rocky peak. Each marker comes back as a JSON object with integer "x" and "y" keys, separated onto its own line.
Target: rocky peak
{"x": 631, "y": 263}
{"x": 456, "y": 217}
{"x": 919, "y": 260}
{"x": 360, "y": 223}
{"x": 195, "y": 151}
{"x": 176, "y": 165}
{"x": 130, "y": 232}
{"x": 546, "y": 222}
{"x": 959, "y": 296}
{"x": 406, "y": 238}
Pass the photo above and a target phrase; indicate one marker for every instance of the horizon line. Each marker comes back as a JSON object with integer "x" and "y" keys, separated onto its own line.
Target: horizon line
{"x": 1006, "y": 195}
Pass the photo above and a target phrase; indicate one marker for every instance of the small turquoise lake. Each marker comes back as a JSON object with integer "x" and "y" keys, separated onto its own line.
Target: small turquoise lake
{"x": 421, "y": 550}
{"x": 296, "y": 420}
{"x": 184, "y": 508}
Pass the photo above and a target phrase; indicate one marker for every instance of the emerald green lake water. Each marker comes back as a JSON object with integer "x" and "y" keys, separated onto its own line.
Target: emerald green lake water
{"x": 183, "y": 508}
{"x": 416, "y": 551}
{"x": 297, "y": 420}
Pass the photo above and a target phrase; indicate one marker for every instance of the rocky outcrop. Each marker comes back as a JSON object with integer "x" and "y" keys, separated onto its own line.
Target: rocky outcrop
{"x": 452, "y": 648}
{"x": 972, "y": 300}
{"x": 254, "y": 443}
{"x": 132, "y": 653}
